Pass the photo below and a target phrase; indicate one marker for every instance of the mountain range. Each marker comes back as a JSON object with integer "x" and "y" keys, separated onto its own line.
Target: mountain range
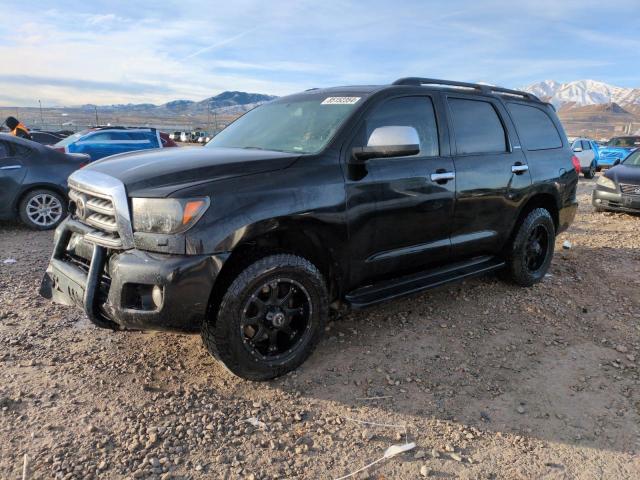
{"x": 581, "y": 93}
{"x": 229, "y": 103}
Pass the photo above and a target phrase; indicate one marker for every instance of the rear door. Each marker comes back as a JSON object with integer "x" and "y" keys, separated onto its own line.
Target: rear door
{"x": 491, "y": 175}
{"x": 12, "y": 171}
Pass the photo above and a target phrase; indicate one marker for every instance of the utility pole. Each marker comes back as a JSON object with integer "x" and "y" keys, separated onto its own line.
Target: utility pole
{"x": 95, "y": 107}
{"x": 209, "y": 117}
{"x": 41, "y": 117}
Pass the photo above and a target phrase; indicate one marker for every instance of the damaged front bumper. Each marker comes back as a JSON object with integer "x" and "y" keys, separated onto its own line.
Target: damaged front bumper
{"x": 130, "y": 289}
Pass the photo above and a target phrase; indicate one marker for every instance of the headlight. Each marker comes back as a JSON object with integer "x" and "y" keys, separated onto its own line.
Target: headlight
{"x": 167, "y": 215}
{"x": 606, "y": 182}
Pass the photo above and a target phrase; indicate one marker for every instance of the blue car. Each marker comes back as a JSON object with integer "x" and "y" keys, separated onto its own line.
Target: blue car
{"x": 105, "y": 141}
{"x": 617, "y": 149}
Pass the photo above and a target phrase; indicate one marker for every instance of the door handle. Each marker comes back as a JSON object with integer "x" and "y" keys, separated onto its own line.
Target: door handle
{"x": 11, "y": 167}
{"x": 519, "y": 169}
{"x": 442, "y": 176}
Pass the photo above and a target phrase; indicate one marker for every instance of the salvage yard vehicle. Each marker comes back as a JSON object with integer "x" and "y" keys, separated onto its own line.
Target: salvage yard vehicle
{"x": 619, "y": 188}
{"x": 33, "y": 182}
{"x": 105, "y": 141}
{"x": 617, "y": 149}
{"x": 587, "y": 153}
{"x": 346, "y": 196}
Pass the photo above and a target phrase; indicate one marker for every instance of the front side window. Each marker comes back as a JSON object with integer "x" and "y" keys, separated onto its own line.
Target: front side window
{"x": 303, "y": 125}
{"x": 535, "y": 128}
{"x": 477, "y": 127}
{"x": 416, "y": 112}
{"x": 586, "y": 145}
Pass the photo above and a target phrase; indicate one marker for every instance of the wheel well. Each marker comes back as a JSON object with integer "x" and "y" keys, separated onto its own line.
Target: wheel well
{"x": 302, "y": 243}
{"x": 543, "y": 200}
{"x": 31, "y": 188}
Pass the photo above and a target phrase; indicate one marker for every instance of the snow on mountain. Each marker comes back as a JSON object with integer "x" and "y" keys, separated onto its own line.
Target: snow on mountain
{"x": 584, "y": 92}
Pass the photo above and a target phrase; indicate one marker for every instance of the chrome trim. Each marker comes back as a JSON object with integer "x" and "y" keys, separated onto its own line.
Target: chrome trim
{"x": 438, "y": 177}
{"x": 11, "y": 167}
{"x": 110, "y": 188}
{"x": 519, "y": 168}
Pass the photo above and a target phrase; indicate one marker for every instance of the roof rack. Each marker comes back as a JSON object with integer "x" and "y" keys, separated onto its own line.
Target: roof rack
{"x": 490, "y": 89}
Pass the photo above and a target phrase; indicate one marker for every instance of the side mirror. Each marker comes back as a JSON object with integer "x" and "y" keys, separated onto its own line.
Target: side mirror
{"x": 617, "y": 162}
{"x": 386, "y": 142}
{"x": 577, "y": 149}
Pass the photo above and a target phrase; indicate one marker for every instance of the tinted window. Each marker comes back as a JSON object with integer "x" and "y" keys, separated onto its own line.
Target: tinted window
{"x": 586, "y": 145}
{"x": 535, "y": 128}
{"x": 416, "y": 112}
{"x": 477, "y": 127}
{"x": 139, "y": 136}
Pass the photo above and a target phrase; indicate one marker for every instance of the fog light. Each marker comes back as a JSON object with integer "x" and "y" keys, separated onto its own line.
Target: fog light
{"x": 156, "y": 295}
{"x": 598, "y": 200}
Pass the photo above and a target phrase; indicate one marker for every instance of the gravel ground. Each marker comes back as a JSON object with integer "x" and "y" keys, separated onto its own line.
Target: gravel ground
{"x": 489, "y": 380}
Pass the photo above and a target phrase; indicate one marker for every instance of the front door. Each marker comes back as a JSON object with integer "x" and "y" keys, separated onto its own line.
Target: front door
{"x": 492, "y": 175}
{"x": 399, "y": 217}
{"x": 12, "y": 172}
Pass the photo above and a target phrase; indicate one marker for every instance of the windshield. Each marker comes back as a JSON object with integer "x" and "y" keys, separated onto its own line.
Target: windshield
{"x": 296, "y": 126}
{"x": 633, "y": 160}
{"x": 624, "y": 142}
{"x": 71, "y": 138}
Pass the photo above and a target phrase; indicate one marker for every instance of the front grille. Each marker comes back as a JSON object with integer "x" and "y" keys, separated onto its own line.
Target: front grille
{"x": 96, "y": 210}
{"x": 628, "y": 189}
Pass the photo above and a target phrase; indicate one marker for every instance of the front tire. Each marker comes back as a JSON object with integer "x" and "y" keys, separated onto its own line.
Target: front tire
{"x": 270, "y": 318}
{"x": 42, "y": 209}
{"x": 531, "y": 251}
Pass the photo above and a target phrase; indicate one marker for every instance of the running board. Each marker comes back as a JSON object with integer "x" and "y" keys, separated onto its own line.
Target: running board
{"x": 400, "y": 287}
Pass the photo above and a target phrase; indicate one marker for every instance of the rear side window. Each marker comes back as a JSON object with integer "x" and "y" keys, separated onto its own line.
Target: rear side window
{"x": 586, "y": 145}
{"x": 477, "y": 127}
{"x": 416, "y": 112}
{"x": 535, "y": 128}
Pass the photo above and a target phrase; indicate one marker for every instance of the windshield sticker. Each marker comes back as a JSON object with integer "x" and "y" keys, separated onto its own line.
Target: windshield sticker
{"x": 340, "y": 100}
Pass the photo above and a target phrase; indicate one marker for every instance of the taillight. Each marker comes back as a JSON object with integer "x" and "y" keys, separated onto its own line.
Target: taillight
{"x": 60, "y": 149}
{"x": 82, "y": 165}
{"x": 576, "y": 163}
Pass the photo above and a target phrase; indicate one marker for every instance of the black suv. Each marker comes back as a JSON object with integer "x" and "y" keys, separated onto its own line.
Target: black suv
{"x": 346, "y": 196}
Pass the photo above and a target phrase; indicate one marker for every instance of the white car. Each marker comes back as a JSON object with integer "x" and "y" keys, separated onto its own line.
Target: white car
{"x": 586, "y": 150}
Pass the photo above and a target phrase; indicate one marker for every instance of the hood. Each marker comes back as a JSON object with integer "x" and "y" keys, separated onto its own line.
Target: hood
{"x": 156, "y": 173}
{"x": 624, "y": 174}
{"x": 614, "y": 153}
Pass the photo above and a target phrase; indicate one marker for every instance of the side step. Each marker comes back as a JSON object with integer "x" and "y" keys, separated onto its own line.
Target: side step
{"x": 418, "y": 282}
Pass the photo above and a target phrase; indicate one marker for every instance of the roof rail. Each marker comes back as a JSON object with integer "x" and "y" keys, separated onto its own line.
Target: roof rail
{"x": 472, "y": 86}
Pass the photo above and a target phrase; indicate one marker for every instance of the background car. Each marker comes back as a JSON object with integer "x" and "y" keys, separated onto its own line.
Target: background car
{"x": 45, "y": 138}
{"x": 105, "y": 141}
{"x": 617, "y": 149}
{"x": 619, "y": 188}
{"x": 33, "y": 182}
{"x": 587, "y": 152}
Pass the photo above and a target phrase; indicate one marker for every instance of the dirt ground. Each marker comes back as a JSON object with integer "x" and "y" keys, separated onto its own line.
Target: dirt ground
{"x": 489, "y": 380}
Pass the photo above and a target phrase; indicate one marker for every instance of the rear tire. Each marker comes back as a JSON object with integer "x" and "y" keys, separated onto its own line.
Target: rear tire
{"x": 42, "y": 209}
{"x": 531, "y": 251}
{"x": 270, "y": 319}
{"x": 591, "y": 172}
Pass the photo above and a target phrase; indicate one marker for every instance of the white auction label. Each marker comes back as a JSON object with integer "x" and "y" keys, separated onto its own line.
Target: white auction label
{"x": 340, "y": 100}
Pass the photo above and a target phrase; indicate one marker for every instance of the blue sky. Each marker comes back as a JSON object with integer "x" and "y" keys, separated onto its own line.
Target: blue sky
{"x": 73, "y": 52}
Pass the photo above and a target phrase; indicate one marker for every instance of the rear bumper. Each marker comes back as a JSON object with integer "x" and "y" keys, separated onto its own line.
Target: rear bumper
{"x": 566, "y": 216}
{"x": 115, "y": 289}
{"x": 610, "y": 200}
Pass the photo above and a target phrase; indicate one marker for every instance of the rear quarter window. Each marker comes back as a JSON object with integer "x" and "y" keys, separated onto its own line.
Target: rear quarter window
{"x": 535, "y": 128}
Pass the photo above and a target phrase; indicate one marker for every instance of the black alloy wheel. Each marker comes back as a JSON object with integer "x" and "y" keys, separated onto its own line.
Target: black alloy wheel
{"x": 269, "y": 319}
{"x": 276, "y": 318}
